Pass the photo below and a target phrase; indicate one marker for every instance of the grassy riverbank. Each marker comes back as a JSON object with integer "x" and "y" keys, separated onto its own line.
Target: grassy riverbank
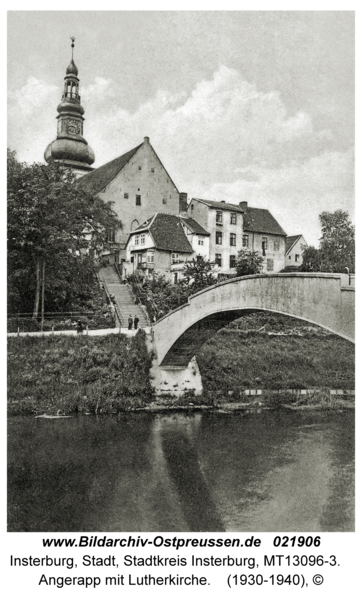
{"x": 101, "y": 375}
{"x": 111, "y": 374}
{"x": 235, "y": 361}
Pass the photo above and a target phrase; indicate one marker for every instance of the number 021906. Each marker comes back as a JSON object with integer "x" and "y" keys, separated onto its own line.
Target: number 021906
{"x": 301, "y": 540}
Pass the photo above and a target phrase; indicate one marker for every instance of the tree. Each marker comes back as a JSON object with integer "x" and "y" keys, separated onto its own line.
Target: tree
{"x": 53, "y": 228}
{"x": 248, "y": 262}
{"x": 337, "y": 246}
{"x": 198, "y": 274}
{"x": 311, "y": 260}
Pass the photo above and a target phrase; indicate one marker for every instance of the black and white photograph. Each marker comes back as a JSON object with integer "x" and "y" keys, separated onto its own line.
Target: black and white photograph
{"x": 181, "y": 272}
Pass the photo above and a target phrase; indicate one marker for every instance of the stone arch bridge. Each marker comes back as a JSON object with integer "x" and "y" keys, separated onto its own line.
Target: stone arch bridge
{"x": 324, "y": 299}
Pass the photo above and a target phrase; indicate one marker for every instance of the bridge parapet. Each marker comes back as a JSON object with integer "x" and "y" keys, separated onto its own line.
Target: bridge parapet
{"x": 324, "y": 299}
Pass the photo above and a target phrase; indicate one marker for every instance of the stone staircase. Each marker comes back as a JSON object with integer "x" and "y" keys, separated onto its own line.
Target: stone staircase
{"x": 123, "y": 297}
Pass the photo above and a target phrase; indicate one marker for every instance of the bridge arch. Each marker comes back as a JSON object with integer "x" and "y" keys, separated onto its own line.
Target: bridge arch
{"x": 324, "y": 299}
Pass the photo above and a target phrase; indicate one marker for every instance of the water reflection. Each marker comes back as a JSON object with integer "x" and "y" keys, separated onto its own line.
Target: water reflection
{"x": 273, "y": 471}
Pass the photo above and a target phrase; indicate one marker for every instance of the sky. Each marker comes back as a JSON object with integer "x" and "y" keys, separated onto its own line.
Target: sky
{"x": 242, "y": 105}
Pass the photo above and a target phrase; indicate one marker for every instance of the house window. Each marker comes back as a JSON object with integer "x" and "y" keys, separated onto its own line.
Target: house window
{"x": 136, "y": 240}
{"x": 174, "y": 258}
{"x": 139, "y": 258}
{"x": 219, "y": 237}
{"x": 126, "y": 195}
{"x": 218, "y": 259}
{"x": 232, "y": 239}
{"x": 264, "y": 244}
{"x": 290, "y": 258}
{"x": 276, "y": 246}
{"x": 111, "y": 235}
{"x": 232, "y": 261}
{"x": 297, "y": 258}
{"x": 138, "y": 200}
{"x": 233, "y": 218}
{"x": 245, "y": 241}
{"x": 140, "y": 168}
{"x": 152, "y": 170}
{"x": 219, "y": 217}
{"x": 175, "y": 277}
{"x": 269, "y": 264}
{"x": 164, "y": 201}
{"x": 143, "y": 239}
{"x": 192, "y": 207}
{"x": 200, "y": 241}
{"x": 150, "y": 258}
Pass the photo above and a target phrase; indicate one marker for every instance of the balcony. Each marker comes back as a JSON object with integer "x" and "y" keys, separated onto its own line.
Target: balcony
{"x": 145, "y": 265}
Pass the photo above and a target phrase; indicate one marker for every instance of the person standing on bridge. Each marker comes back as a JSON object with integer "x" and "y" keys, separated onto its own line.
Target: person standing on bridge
{"x": 136, "y": 319}
{"x": 130, "y": 322}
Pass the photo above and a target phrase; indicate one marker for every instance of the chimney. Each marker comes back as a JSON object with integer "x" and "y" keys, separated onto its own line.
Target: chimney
{"x": 183, "y": 202}
{"x": 222, "y": 201}
{"x": 243, "y": 205}
{"x": 146, "y": 140}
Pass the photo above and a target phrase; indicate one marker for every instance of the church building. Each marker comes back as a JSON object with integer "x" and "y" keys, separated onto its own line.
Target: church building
{"x": 138, "y": 185}
{"x": 136, "y": 182}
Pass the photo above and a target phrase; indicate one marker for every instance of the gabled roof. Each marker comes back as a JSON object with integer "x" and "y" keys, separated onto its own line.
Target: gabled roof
{"x": 261, "y": 220}
{"x": 219, "y": 205}
{"x": 291, "y": 241}
{"x": 194, "y": 226}
{"x": 98, "y": 179}
{"x": 167, "y": 233}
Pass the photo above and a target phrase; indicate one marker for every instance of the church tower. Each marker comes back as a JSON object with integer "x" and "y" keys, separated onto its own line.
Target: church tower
{"x": 70, "y": 148}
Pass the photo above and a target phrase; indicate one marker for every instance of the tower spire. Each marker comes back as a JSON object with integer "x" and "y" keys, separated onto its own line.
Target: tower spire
{"x": 73, "y": 40}
{"x": 70, "y": 147}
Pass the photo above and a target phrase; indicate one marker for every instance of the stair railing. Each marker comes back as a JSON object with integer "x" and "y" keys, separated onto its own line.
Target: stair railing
{"x": 114, "y": 304}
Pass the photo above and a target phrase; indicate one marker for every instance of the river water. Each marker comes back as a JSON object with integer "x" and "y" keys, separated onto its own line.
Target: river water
{"x": 267, "y": 471}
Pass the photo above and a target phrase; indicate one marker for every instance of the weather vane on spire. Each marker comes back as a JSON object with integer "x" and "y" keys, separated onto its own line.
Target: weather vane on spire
{"x": 73, "y": 40}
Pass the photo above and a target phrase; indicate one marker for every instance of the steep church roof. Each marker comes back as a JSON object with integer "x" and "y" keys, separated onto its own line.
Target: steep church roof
{"x": 98, "y": 179}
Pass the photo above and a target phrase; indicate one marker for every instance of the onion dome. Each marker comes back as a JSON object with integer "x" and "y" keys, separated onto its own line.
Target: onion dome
{"x": 72, "y": 69}
{"x": 72, "y": 150}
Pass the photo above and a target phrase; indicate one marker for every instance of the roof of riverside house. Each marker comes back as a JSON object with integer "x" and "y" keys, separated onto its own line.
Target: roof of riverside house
{"x": 291, "y": 241}
{"x": 219, "y": 205}
{"x": 167, "y": 233}
{"x": 194, "y": 226}
{"x": 261, "y": 220}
